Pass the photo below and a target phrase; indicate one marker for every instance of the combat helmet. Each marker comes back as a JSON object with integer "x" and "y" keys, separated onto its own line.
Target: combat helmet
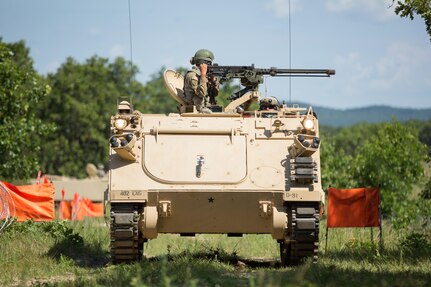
{"x": 202, "y": 56}
{"x": 269, "y": 103}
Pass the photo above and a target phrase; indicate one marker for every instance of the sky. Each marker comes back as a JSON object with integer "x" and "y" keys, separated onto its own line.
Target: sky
{"x": 379, "y": 58}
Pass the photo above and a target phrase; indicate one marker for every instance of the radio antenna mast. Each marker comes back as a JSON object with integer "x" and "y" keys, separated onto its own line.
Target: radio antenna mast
{"x": 290, "y": 57}
{"x": 131, "y": 50}
{"x": 130, "y": 43}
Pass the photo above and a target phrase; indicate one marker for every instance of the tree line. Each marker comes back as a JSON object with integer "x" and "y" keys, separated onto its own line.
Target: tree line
{"x": 60, "y": 122}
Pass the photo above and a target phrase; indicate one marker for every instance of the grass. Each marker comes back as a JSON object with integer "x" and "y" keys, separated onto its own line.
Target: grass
{"x": 77, "y": 254}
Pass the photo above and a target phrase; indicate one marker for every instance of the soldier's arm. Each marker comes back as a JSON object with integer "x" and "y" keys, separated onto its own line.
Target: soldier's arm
{"x": 199, "y": 85}
{"x": 191, "y": 86}
{"x": 202, "y": 89}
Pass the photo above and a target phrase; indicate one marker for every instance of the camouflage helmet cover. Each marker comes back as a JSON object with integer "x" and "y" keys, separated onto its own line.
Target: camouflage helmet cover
{"x": 201, "y": 56}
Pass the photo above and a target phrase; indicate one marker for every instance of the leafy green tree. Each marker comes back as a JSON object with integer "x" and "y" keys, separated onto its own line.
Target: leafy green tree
{"x": 83, "y": 98}
{"x": 349, "y": 138}
{"x": 155, "y": 97}
{"x": 426, "y": 191}
{"x": 22, "y": 132}
{"x": 425, "y": 134}
{"x": 424, "y": 205}
{"x": 339, "y": 148}
{"x": 410, "y": 8}
{"x": 336, "y": 165}
{"x": 393, "y": 159}
{"x": 328, "y": 131}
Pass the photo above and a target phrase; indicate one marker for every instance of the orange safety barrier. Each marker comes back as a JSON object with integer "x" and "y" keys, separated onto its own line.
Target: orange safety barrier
{"x": 90, "y": 209}
{"x": 65, "y": 210}
{"x": 358, "y": 207}
{"x": 34, "y": 202}
{"x": 79, "y": 208}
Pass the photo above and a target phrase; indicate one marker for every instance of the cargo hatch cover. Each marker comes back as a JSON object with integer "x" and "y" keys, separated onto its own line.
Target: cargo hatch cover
{"x": 195, "y": 159}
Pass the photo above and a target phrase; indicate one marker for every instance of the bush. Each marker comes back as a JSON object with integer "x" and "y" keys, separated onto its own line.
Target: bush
{"x": 426, "y": 192}
{"x": 416, "y": 244}
{"x": 59, "y": 230}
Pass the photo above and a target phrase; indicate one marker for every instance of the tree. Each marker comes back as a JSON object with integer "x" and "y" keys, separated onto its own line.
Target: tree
{"x": 348, "y": 139}
{"x": 339, "y": 149}
{"x": 336, "y": 165}
{"x": 425, "y": 134}
{"x": 22, "y": 132}
{"x": 393, "y": 159}
{"x": 408, "y": 8}
{"x": 155, "y": 98}
{"x": 83, "y": 98}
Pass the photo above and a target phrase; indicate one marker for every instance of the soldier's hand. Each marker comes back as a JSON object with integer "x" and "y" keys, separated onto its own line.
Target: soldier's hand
{"x": 213, "y": 79}
{"x": 203, "y": 68}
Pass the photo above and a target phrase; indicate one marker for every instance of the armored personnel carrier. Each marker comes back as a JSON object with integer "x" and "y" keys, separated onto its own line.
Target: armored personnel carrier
{"x": 231, "y": 171}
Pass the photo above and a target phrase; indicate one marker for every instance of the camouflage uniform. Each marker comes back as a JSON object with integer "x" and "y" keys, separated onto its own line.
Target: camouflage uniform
{"x": 197, "y": 89}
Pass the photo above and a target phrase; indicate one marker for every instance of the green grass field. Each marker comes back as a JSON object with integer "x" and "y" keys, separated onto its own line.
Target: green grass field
{"x": 77, "y": 254}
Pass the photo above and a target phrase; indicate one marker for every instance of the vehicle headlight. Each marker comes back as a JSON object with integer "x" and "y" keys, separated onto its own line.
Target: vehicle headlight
{"x": 308, "y": 124}
{"x": 120, "y": 124}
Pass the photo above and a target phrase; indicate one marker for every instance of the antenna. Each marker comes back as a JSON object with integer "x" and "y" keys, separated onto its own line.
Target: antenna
{"x": 131, "y": 49}
{"x": 131, "y": 45}
{"x": 290, "y": 57}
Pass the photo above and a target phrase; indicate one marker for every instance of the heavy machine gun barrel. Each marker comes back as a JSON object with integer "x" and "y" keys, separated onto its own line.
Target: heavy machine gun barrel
{"x": 229, "y": 72}
{"x": 251, "y": 77}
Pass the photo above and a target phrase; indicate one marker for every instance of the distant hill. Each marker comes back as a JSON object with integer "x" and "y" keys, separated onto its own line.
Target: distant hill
{"x": 371, "y": 114}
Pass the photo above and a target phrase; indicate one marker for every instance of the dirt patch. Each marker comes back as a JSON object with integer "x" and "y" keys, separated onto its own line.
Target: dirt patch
{"x": 69, "y": 277}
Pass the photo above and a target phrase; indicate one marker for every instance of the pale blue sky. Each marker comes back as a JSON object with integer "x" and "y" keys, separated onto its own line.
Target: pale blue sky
{"x": 379, "y": 57}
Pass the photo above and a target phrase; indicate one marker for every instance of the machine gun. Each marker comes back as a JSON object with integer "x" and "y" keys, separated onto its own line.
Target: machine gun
{"x": 251, "y": 77}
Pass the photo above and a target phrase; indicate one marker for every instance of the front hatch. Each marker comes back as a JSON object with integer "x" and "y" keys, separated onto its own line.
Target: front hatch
{"x": 195, "y": 158}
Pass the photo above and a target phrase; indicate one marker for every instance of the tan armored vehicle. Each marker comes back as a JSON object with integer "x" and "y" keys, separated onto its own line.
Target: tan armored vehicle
{"x": 230, "y": 171}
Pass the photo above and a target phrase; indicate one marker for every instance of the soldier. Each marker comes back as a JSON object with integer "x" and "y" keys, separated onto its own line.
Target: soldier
{"x": 198, "y": 90}
{"x": 269, "y": 103}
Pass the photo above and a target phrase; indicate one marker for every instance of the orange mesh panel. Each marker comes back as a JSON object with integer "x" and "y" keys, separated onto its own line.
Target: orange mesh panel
{"x": 83, "y": 207}
{"x": 35, "y": 202}
{"x": 92, "y": 209}
{"x": 358, "y": 207}
{"x": 65, "y": 211}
